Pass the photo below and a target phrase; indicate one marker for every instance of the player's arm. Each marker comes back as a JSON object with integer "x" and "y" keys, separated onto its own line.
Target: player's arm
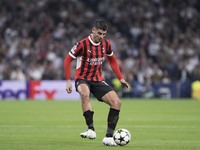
{"x": 115, "y": 67}
{"x": 67, "y": 68}
{"x": 73, "y": 53}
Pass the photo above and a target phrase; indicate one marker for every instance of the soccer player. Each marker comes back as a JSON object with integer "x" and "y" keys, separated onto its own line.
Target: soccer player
{"x": 90, "y": 53}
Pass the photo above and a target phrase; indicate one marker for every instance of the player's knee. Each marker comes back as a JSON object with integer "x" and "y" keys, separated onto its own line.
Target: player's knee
{"x": 116, "y": 104}
{"x": 84, "y": 95}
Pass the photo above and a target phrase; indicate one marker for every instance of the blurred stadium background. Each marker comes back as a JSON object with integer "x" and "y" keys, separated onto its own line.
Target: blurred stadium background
{"x": 157, "y": 43}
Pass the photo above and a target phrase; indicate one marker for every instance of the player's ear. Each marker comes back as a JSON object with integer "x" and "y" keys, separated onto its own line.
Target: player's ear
{"x": 93, "y": 29}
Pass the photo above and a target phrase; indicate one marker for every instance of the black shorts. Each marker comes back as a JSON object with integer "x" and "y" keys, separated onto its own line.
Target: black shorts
{"x": 97, "y": 88}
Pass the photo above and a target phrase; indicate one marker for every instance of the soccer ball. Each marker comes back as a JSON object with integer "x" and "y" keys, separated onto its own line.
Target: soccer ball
{"x": 122, "y": 137}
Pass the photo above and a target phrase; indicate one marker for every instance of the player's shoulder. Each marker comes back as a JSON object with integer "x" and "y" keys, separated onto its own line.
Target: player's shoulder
{"x": 80, "y": 42}
{"x": 84, "y": 39}
{"x": 106, "y": 41}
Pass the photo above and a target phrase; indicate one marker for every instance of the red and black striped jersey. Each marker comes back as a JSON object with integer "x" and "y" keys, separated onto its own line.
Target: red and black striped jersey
{"x": 90, "y": 57}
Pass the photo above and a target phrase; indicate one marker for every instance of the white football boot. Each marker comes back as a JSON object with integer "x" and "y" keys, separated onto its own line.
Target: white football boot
{"x": 109, "y": 141}
{"x": 90, "y": 134}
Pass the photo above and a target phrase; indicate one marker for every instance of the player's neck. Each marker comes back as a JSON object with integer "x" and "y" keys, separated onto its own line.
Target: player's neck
{"x": 91, "y": 38}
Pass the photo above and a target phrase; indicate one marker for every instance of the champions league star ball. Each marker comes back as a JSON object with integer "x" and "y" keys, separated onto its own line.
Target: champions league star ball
{"x": 122, "y": 137}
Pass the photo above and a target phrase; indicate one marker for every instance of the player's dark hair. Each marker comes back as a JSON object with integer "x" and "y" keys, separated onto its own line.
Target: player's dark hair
{"x": 101, "y": 24}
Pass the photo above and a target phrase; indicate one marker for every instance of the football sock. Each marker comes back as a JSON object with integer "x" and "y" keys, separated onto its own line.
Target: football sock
{"x": 113, "y": 117}
{"x": 89, "y": 119}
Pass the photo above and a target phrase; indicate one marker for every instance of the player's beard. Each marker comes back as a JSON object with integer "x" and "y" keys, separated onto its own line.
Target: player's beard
{"x": 97, "y": 39}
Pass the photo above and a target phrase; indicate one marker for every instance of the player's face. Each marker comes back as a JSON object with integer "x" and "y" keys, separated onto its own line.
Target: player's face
{"x": 98, "y": 35}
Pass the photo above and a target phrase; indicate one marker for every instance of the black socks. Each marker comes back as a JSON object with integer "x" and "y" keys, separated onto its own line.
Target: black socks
{"x": 112, "y": 120}
{"x": 113, "y": 117}
{"x": 89, "y": 119}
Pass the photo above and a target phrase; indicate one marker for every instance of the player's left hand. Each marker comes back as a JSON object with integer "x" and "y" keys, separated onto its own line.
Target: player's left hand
{"x": 126, "y": 84}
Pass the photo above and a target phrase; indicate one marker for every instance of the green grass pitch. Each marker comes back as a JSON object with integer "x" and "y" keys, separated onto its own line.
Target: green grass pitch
{"x": 56, "y": 125}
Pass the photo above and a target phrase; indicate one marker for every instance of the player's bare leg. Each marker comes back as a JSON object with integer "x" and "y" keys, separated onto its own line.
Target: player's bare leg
{"x": 112, "y": 99}
{"x": 84, "y": 92}
{"x": 87, "y": 111}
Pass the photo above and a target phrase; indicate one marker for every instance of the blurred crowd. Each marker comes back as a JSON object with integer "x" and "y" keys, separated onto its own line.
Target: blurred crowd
{"x": 154, "y": 40}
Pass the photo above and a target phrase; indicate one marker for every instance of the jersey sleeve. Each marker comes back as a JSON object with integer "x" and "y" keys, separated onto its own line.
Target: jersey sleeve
{"x": 109, "y": 51}
{"x": 76, "y": 50}
{"x": 115, "y": 67}
{"x": 73, "y": 54}
{"x": 113, "y": 61}
{"x": 67, "y": 66}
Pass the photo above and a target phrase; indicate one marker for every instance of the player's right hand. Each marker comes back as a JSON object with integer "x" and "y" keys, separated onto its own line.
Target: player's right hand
{"x": 69, "y": 86}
